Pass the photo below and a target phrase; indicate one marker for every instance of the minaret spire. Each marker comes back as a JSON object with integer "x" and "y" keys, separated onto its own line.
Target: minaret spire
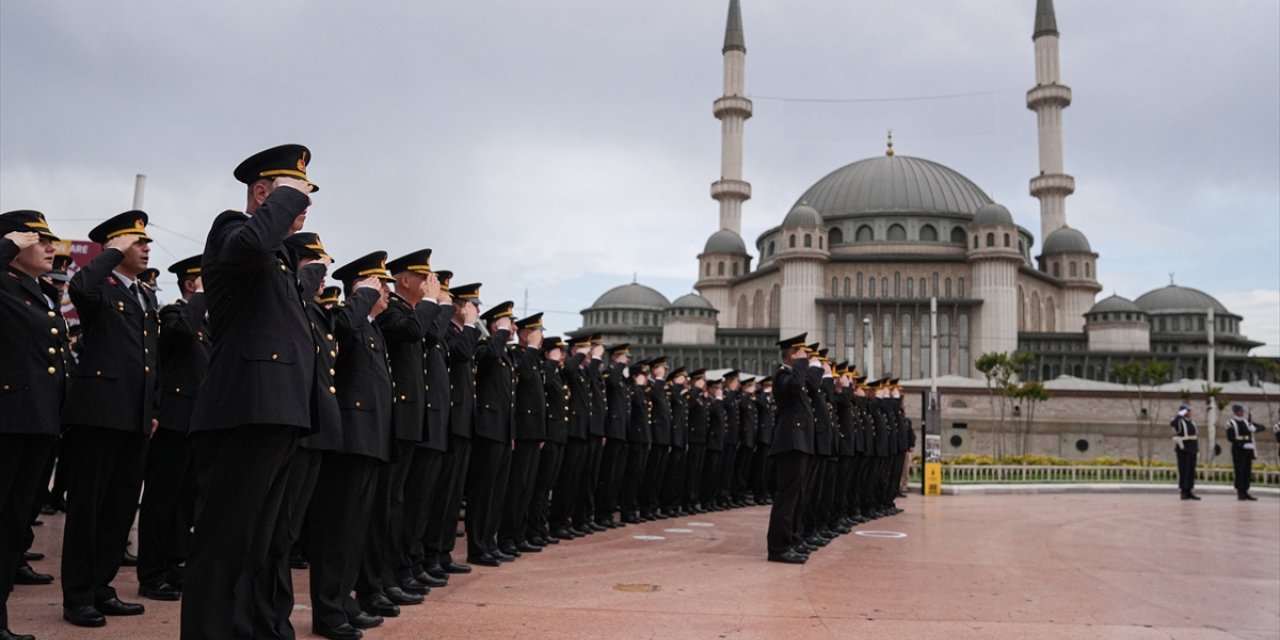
{"x": 732, "y": 109}
{"x": 1048, "y": 98}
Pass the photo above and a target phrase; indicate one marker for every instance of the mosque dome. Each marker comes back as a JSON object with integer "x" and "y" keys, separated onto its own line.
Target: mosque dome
{"x": 992, "y": 214}
{"x": 631, "y": 296}
{"x": 1066, "y": 240}
{"x": 692, "y": 301}
{"x": 1115, "y": 304}
{"x": 725, "y": 241}
{"x": 1175, "y": 298}
{"x": 802, "y": 215}
{"x": 893, "y": 184}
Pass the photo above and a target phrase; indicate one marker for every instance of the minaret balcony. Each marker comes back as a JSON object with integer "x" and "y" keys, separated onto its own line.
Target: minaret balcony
{"x": 1053, "y": 183}
{"x": 1049, "y": 94}
{"x": 732, "y": 106}
{"x": 730, "y": 189}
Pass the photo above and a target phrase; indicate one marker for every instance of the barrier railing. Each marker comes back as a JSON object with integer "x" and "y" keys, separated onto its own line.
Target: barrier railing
{"x": 998, "y": 474}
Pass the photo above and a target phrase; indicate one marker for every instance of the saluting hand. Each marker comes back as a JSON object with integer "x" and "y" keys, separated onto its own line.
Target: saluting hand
{"x": 23, "y": 239}
{"x": 369, "y": 283}
{"x": 470, "y": 314}
{"x": 431, "y": 286}
{"x": 123, "y": 243}
{"x": 300, "y": 185}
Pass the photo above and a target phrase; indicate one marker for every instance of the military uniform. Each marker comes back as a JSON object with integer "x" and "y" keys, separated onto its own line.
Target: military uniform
{"x": 695, "y": 460}
{"x": 677, "y": 401}
{"x": 790, "y": 451}
{"x": 571, "y": 481}
{"x": 491, "y": 447}
{"x": 585, "y": 516}
{"x": 656, "y": 467}
{"x": 613, "y": 461}
{"x": 529, "y": 431}
{"x": 1240, "y": 432}
{"x": 638, "y": 442}
{"x": 556, "y": 395}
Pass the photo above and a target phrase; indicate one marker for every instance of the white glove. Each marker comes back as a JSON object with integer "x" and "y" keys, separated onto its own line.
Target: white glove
{"x": 1177, "y": 442}
{"x": 1249, "y": 446}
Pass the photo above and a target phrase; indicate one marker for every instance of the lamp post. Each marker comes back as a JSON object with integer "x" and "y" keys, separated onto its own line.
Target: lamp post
{"x": 1212, "y": 413}
{"x": 870, "y": 350}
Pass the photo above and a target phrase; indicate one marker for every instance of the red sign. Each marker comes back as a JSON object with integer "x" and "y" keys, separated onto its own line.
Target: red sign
{"x": 82, "y": 252}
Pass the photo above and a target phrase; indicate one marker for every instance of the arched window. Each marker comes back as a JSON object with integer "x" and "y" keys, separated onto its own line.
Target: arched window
{"x": 1088, "y": 269}
{"x": 835, "y": 287}
{"x": 962, "y": 360}
{"x": 897, "y": 284}
{"x": 911, "y": 287}
{"x": 960, "y": 286}
{"x": 871, "y": 287}
{"x": 904, "y": 365}
{"x": 720, "y": 268}
{"x": 848, "y": 287}
{"x": 859, "y": 284}
{"x": 791, "y": 241}
{"x": 835, "y": 235}
{"x": 928, "y": 233}
{"x": 944, "y": 344}
{"x": 831, "y": 330}
{"x": 1035, "y": 312}
{"x": 897, "y": 233}
{"x": 1071, "y": 269}
{"x": 775, "y": 305}
{"x": 1051, "y": 314}
{"x": 975, "y": 241}
{"x": 735, "y": 269}
{"x": 947, "y": 295}
{"x": 933, "y": 286}
{"x": 924, "y": 288}
{"x": 865, "y": 234}
{"x": 708, "y": 267}
{"x": 926, "y": 345}
{"x": 884, "y": 287}
{"x": 819, "y": 242}
{"x": 743, "y": 311}
{"x": 808, "y": 240}
{"x": 1022, "y": 310}
{"x": 771, "y": 248}
{"x": 757, "y": 309}
{"x": 886, "y": 343}
{"x": 1057, "y": 270}
{"x": 1006, "y": 240}
{"x": 957, "y": 235}
{"x": 991, "y": 239}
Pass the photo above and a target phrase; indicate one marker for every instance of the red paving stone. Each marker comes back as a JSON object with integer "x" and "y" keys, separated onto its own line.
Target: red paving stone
{"x": 995, "y": 566}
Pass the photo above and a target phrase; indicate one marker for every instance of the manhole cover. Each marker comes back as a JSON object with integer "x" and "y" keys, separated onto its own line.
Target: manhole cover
{"x": 637, "y": 588}
{"x": 678, "y": 530}
{"x": 881, "y": 534}
{"x": 649, "y": 537}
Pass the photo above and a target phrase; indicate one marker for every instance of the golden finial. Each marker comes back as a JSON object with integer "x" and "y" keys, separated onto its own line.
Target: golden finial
{"x": 889, "y": 151}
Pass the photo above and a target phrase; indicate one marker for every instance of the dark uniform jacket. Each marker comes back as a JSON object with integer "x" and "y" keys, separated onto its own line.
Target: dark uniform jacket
{"x": 845, "y": 420}
{"x": 439, "y": 354}
{"x": 863, "y": 425}
{"x": 462, "y": 379}
{"x": 33, "y": 374}
{"x": 823, "y": 432}
{"x": 717, "y": 420}
{"x": 184, "y": 345}
{"x": 495, "y": 388}
{"x": 766, "y": 419}
{"x": 263, "y": 364}
{"x": 555, "y": 389}
{"x": 678, "y": 403}
{"x": 530, "y": 419}
{"x": 638, "y": 416}
{"x": 363, "y": 379}
{"x": 599, "y": 399}
{"x": 115, "y": 381}
{"x": 618, "y": 399}
{"x": 880, "y": 412}
{"x": 748, "y": 421}
{"x": 699, "y": 415}
{"x": 405, "y": 328}
{"x": 732, "y": 423}
{"x": 326, "y": 418}
{"x": 792, "y": 390}
{"x": 659, "y": 413}
{"x": 578, "y": 389}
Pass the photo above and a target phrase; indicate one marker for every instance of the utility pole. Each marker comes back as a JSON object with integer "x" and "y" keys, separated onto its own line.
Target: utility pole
{"x": 870, "y": 349}
{"x": 139, "y": 189}
{"x": 1212, "y": 413}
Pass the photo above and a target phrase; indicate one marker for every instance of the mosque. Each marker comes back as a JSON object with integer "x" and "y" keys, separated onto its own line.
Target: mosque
{"x": 857, "y": 259}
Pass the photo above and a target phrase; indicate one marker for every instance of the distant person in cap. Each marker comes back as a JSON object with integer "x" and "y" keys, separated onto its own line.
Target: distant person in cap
{"x": 613, "y": 460}
{"x": 1186, "y": 449}
{"x": 551, "y": 458}
{"x": 257, "y": 398}
{"x": 638, "y": 441}
{"x": 163, "y": 519}
{"x": 1240, "y": 430}
{"x": 695, "y": 460}
{"x": 675, "y": 396}
{"x": 571, "y": 482}
{"x": 713, "y": 464}
{"x": 109, "y": 416}
{"x": 656, "y": 467}
{"x": 32, "y": 339}
{"x": 584, "y": 515}
{"x": 790, "y": 451}
{"x": 529, "y": 431}
{"x": 491, "y": 447}
{"x": 766, "y": 419}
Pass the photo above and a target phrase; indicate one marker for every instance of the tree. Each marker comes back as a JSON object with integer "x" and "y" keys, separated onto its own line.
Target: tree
{"x": 1268, "y": 371}
{"x": 1027, "y": 395}
{"x": 1143, "y": 377}
{"x": 1001, "y": 370}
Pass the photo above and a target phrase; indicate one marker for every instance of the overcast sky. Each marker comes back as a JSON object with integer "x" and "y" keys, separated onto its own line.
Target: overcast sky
{"x": 561, "y": 146}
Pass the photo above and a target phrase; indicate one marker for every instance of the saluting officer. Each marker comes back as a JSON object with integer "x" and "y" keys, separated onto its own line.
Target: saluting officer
{"x": 790, "y": 451}
{"x": 695, "y": 460}
{"x": 1240, "y": 430}
{"x": 32, "y": 383}
{"x": 613, "y": 461}
{"x": 529, "y": 430}
{"x": 585, "y": 514}
{"x": 766, "y": 418}
{"x": 257, "y": 397}
{"x": 570, "y": 483}
{"x": 551, "y": 460}
{"x": 676, "y": 399}
{"x": 163, "y": 518}
{"x": 491, "y": 449}
{"x": 637, "y": 442}
{"x": 1186, "y": 449}
{"x": 657, "y": 469}
{"x": 109, "y": 414}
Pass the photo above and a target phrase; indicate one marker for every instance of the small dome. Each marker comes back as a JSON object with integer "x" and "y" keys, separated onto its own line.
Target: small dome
{"x": 631, "y": 296}
{"x": 1180, "y": 299}
{"x": 992, "y": 214}
{"x": 725, "y": 241}
{"x": 691, "y": 301}
{"x": 1115, "y": 304}
{"x": 1066, "y": 240}
{"x": 802, "y": 215}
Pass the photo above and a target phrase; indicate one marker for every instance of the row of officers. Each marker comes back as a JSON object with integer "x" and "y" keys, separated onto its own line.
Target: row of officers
{"x": 267, "y": 418}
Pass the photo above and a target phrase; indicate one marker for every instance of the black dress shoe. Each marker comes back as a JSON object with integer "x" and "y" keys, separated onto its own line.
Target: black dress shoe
{"x": 84, "y": 616}
{"x": 485, "y": 560}
{"x": 159, "y": 591}
{"x": 456, "y": 567}
{"x": 115, "y": 607}
{"x": 379, "y": 605}
{"x": 32, "y": 556}
{"x": 435, "y": 571}
{"x": 428, "y": 580}
{"x": 399, "y": 596}
{"x": 342, "y": 632}
{"x": 26, "y": 575}
{"x": 411, "y": 585}
{"x": 527, "y": 547}
{"x": 597, "y": 527}
{"x": 129, "y": 559}
{"x": 509, "y": 550}
{"x": 502, "y": 556}
{"x": 6, "y": 634}
{"x": 364, "y": 620}
{"x": 789, "y": 557}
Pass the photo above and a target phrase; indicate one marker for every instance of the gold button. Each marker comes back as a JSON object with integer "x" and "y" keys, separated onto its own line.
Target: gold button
{"x": 52, "y": 314}
{"x": 357, "y": 404}
{"x": 144, "y": 333}
{"x": 332, "y": 390}
{"x": 328, "y": 336}
{"x": 333, "y": 354}
{"x": 54, "y": 331}
{"x": 146, "y": 369}
{"x": 52, "y": 370}
{"x": 98, "y": 373}
{"x": 52, "y": 351}
{"x": 275, "y": 356}
{"x": 403, "y": 398}
{"x": 177, "y": 390}
{"x": 332, "y": 372}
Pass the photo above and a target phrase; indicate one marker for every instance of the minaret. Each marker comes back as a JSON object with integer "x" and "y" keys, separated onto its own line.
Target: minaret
{"x": 1047, "y": 99}
{"x": 732, "y": 109}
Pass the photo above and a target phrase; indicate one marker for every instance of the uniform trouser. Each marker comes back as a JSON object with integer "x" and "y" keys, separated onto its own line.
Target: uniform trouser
{"x": 676, "y": 464}
{"x": 613, "y": 462}
{"x": 567, "y": 489}
{"x": 425, "y": 493}
{"x": 337, "y": 526}
{"x": 246, "y": 472}
{"x": 484, "y": 500}
{"x": 655, "y": 471}
{"x": 812, "y": 493}
{"x": 728, "y": 461}
{"x": 843, "y": 489}
{"x": 1242, "y": 463}
{"x": 370, "y": 579}
{"x": 760, "y": 480}
{"x": 397, "y": 546}
{"x": 525, "y": 460}
{"x": 824, "y": 510}
{"x": 22, "y": 458}
{"x": 593, "y": 457}
{"x": 101, "y": 501}
{"x": 711, "y": 469}
{"x": 862, "y": 482}
{"x": 1187, "y": 466}
{"x": 162, "y": 527}
{"x": 273, "y": 595}
{"x": 45, "y": 495}
{"x": 550, "y": 463}
{"x": 633, "y": 477}
{"x": 695, "y": 460}
{"x": 742, "y": 464}
{"x": 442, "y": 521}
{"x": 790, "y": 469}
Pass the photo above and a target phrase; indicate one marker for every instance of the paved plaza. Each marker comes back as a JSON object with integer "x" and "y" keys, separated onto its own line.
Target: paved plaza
{"x": 956, "y": 567}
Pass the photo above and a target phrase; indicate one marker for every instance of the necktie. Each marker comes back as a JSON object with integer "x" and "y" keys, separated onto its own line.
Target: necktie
{"x": 142, "y": 300}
